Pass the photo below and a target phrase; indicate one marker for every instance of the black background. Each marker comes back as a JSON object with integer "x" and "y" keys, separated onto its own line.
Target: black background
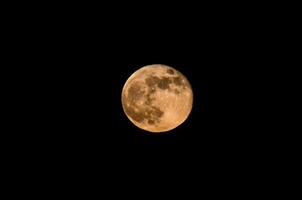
{"x": 77, "y": 61}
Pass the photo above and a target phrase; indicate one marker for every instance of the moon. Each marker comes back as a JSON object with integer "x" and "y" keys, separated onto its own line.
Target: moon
{"x": 157, "y": 98}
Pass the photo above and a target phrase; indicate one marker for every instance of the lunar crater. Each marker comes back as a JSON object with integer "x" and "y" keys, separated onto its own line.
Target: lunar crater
{"x": 170, "y": 71}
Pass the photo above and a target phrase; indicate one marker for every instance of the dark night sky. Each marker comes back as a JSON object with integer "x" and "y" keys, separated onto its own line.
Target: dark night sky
{"x": 71, "y": 131}
{"x": 76, "y": 64}
{"x": 85, "y": 67}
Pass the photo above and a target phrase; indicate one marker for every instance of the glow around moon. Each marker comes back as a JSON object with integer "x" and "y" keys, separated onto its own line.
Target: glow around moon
{"x": 157, "y": 98}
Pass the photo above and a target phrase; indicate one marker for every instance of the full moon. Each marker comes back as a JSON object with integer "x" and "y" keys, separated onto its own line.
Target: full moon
{"x": 157, "y": 98}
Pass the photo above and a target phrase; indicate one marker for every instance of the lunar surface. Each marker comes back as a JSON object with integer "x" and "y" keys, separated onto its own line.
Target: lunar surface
{"x": 157, "y": 98}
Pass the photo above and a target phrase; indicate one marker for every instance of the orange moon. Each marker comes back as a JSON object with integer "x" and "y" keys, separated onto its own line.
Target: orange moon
{"x": 157, "y": 98}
